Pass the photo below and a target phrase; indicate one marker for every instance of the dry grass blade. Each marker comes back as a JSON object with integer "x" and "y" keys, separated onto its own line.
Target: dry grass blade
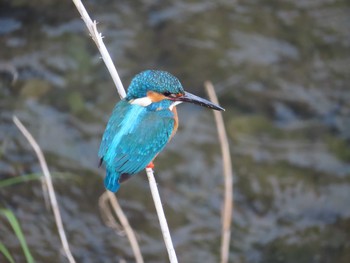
{"x": 52, "y": 195}
{"x": 125, "y": 223}
{"x": 227, "y": 212}
{"x": 107, "y": 215}
{"x": 122, "y": 229}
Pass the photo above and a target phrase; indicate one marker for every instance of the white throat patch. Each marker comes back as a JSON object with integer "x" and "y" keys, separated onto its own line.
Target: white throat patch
{"x": 145, "y": 101}
{"x": 174, "y": 104}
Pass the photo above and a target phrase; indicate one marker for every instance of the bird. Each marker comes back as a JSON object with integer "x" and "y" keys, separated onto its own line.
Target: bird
{"x": 141, "y": 124}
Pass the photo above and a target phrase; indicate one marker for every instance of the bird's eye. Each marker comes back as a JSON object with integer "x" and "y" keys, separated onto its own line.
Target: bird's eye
{"x": 167, "y": 93}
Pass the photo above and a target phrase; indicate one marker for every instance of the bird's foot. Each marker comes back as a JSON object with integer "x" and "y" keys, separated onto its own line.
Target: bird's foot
{"x": 150, "y": 165}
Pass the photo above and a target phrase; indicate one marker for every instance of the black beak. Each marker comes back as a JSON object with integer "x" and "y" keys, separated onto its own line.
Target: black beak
{"x": 188, "y": 97}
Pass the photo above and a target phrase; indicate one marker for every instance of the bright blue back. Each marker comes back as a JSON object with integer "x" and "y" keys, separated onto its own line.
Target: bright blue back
{"x": 133, "y": 137}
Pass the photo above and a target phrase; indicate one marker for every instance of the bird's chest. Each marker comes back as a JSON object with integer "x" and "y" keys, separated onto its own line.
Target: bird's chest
{"x": 176, "y": 122}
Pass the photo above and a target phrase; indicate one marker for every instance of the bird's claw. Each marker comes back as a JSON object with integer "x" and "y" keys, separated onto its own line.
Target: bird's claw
{"x": 150, "y": 165}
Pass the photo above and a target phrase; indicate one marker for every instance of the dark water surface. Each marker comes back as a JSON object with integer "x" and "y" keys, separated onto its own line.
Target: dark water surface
{"x": 282, "y": 71}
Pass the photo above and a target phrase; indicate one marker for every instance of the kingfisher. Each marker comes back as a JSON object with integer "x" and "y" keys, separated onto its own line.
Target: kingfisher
{"x": 142, "y": 124}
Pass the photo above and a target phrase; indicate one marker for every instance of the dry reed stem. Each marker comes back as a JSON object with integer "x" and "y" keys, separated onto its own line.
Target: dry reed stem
{"x": 161, "y": 216}
{"x": 115, "y": 76}
{"x": 227, "y": 212}
{"x": 97, "y": 38}
{"x": 123, "y": 220}
{"x": 107, "y": 215}
{"x": 51, "y": 191}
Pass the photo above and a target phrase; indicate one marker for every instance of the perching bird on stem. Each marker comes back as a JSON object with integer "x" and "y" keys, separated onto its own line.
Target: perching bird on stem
{"x": 142, "y": 124}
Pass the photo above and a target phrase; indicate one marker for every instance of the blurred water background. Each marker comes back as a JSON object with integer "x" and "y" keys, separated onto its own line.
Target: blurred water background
{"x": 281, "y": 70}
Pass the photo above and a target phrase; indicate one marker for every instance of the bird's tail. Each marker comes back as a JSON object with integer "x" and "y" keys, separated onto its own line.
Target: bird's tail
{"x": 111, "y": 181}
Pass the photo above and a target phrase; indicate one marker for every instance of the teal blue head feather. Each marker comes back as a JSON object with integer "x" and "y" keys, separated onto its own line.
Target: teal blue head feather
{"x": 153, "y": 80}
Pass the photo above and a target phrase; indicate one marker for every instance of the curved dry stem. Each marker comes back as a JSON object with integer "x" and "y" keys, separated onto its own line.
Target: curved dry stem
{"x": 107, "y": 215}
{"x": 109, "y": 196}
{"x": 51, "y": 191}
{"x": 227, "y": 212}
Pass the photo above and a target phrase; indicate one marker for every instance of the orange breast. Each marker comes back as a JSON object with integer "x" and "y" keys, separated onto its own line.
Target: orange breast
{"x": 176, "y": 123}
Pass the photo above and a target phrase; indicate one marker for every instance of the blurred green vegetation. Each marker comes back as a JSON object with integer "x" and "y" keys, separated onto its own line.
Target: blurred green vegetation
{"x": 9, "y": 215}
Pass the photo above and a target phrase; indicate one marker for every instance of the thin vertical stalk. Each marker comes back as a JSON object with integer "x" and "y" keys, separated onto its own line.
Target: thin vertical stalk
{"x": 227, "y": 212}
{"x": 50, "y": 188}
{"x": 161, "y": 216}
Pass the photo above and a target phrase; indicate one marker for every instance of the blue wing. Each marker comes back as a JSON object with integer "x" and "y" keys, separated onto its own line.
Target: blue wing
{"x": 113, "y": 125}
{"x": 133, "y": 137}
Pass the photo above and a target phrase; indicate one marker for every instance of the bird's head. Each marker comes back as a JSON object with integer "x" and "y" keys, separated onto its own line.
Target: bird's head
{"x": 161, "y": 89}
